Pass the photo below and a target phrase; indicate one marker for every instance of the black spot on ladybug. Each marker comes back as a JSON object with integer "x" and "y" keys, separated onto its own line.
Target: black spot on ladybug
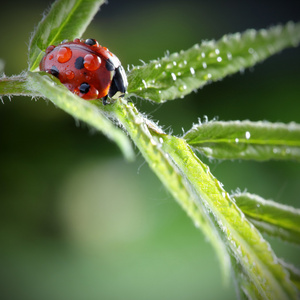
{"x": 79, "y": 63}
{"x": 90, "y": 42}
{"x": 109, "y": 65}
{"x": 84, "y": 88}
{"x": 54, "y": 71}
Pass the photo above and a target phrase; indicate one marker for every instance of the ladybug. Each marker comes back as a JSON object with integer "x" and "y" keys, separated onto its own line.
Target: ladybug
{"x": 86, "y": 69}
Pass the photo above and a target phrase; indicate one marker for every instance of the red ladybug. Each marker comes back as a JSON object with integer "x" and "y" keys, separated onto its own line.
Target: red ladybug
{"x": 86, "y": 69}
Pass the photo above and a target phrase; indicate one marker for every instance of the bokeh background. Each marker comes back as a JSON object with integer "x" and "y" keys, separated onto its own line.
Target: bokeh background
{"x": 79, "y": 222}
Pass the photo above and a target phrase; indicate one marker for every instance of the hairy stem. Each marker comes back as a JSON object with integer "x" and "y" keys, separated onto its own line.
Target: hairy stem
{"x": 16, "y": 86}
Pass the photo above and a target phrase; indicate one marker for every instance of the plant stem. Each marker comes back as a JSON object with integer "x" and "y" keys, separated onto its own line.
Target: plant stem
{"x": 16, "y": 86}
{"x": 140, "y": 129}
{"x": 208, "y": 205}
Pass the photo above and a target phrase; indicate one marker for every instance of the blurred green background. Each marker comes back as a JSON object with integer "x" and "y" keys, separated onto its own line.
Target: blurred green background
{"x": 79, "y": 222}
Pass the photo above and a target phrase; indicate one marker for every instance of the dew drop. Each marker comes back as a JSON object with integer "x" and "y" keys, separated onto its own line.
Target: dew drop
{"x": 182, "y": 88}
{"x": 174, "y": 63}
{"x": 203, "y": 54}
{"x": 153, "y": 142}
{"x": 219, "y": 59}
{"x": 217, "y": 51}
{"x": 236, "y": 140}
{"x": 138, "y": 121}
{"x": 207, "y": 76}
{"x": 247, "y": 135}
{"x": 70, "y": 74}
{"x": 251, "y": 51}
{"x": 87, "y": 91}
{"x": 49, "y": 49}
{"x": 229, "y": 56}
{"x": 64, "y": 54}
{"x": 92, "y": 62}
{"x": 173, "y": 76}
{"x": 204, "y": 65}
{"x": 192, "y": 70}
{"x": 161, "y": 140}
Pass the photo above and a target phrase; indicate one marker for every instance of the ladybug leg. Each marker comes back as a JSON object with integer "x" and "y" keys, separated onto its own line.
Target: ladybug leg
{"x": 104, "y": 100}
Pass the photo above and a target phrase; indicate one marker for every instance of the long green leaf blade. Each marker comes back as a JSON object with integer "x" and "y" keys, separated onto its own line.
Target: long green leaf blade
{"x": 178, "y": 74}
{"x": 201, "y": 195}
{"x": 81, "y": 109}
{"x": 67, "y": 19}
{"x": 139, "y": 128}
{"x": 255, "y": 259}
{"x": 273, "y": 218}
{"x": 246, "y": 140}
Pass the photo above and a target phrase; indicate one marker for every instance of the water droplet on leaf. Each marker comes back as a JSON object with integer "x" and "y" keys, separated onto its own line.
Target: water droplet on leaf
{"x": 173, "y": 76}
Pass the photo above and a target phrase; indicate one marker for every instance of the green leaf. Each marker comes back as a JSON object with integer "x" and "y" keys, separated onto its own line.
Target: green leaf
{"x": 141, "y": 131}
{"x": 270, "y": 217}
{"x": 259, "y": 272}
{"x": 67, "y": 19}
{"x": 208, "y": 204}
{"x": 15, "y": 86}
{"x": 50, "y": 87}
{"x": 178, "y": 74}
{"x": 246, "y": 140}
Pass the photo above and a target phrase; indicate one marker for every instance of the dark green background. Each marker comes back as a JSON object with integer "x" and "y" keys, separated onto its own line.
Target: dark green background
{"x": 77, "y": 221}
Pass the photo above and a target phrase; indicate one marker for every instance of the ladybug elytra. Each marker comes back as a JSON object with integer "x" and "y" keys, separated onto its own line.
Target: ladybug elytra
{"x": 86, "y": 69}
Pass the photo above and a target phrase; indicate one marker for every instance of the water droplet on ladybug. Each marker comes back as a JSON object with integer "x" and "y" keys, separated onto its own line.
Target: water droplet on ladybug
{"x": 70, "y": 74}
{"x": 87, "y": 91}
{"x": 92, "y": 62}
{"x": 91, "y": 42}
{"x": 64, "y": 54}
{"x": 49, "y": 49}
